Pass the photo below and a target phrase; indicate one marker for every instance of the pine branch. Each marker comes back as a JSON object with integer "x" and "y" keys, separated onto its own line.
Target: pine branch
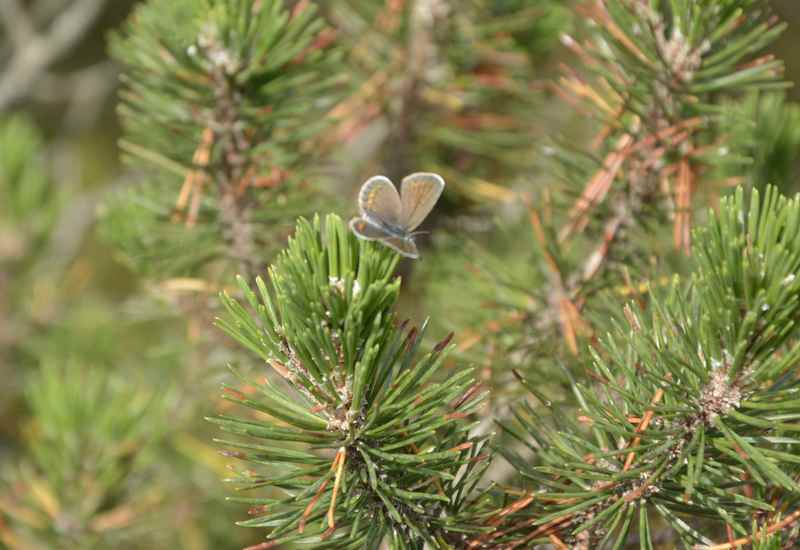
{"x": 657, "y": 78}
{"x": 79, "y": 486}
{"x": 453, "y": 84}
{"x": 653, "y": 94}
{"x": 364, "y": 443}
{"x": 662, "y": 81}
{"x": 686, "y": 417}
{"x": 29, "y": 208}
{"x": 227, "y": 105}
{"x": 762, "y": 536}
{"x": 766, "y": 127}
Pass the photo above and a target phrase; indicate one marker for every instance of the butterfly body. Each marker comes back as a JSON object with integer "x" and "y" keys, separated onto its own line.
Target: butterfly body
{"x": 391, "y": 218}
{"x": 389, "y": 228}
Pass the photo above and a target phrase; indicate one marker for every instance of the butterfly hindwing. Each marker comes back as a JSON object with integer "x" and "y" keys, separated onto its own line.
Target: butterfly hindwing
{"x": 365, "y": 230}
{"x": 418, "y": 195}
{"x": 405, "y": 247}
{"x": 378, "y": 200}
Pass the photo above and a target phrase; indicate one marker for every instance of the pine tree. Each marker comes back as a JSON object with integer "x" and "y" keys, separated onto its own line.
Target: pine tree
{"x": 611, "y": 276}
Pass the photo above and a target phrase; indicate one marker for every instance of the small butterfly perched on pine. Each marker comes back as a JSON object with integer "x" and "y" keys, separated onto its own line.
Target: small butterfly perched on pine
{"x": 391, "y": 217}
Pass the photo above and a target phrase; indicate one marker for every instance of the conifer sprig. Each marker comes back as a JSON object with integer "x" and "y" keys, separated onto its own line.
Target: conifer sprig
{"x": 28, "y": 202}
{"x": 362, "y": 441}
{"x": 690, "y": 414}
{"x": 220, "y": 98}
{"x": 658, "y": 77}
{"x": 84, "y": 480}
{"x": 31, "y": 204}
{"x": 662, "y": 83}
{"x": 452, "y": 82}
{"x": 766, "y": 128}
{"x": 656, "y": 74}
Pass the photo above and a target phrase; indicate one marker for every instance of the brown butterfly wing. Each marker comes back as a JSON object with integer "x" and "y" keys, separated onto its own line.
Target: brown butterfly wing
{"x": 378, "y": 201}
{"x": 418, "y": 195}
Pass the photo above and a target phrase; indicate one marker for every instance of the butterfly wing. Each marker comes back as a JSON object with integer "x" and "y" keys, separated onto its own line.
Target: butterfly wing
{"x": 404, "y": 247}
{"x": 365, "y": 230}
{"x": 418, "y": 195}
{"x": 378, "y": 201}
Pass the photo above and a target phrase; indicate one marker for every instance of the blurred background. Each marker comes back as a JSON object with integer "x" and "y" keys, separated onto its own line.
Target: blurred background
{"x": 90, "y": 343}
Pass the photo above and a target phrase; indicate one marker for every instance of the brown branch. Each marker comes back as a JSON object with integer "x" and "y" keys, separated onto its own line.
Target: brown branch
{"x": 262, "y": 546}
{"x": 420, "y": 52}
{"x": 234, "y": 210}
{"x": 195, "y": 179}
{"x": 785, "y": 522}
{"x": 338, "y": 463}
{"x": 310, "y": 508}
{"x": 600, "y": 14}
{"x": 597, "y": 188}
{"x": 643, "y": 425}
{"x": 558, "y": 543}
{"x": 521, "y": 504}
{"x": 595, "y": 261}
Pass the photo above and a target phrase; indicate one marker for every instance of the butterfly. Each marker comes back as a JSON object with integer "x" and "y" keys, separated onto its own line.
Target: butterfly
{"x": 391, "y": 218}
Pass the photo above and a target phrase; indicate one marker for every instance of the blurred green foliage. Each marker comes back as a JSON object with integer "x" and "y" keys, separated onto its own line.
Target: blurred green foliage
{"x": 106, "y": 353}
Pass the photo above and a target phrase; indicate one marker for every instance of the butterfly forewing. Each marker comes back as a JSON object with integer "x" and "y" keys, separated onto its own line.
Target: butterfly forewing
{"x": 418, "y": 195}
{"x": 378, "y": 201}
